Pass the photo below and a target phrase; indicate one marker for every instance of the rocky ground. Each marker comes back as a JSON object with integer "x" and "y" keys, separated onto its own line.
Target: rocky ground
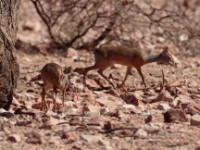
{"x": 164, "y": 117}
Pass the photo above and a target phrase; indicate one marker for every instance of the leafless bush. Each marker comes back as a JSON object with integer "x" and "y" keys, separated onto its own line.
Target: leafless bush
{"x": 70, "y": 23}
{"x": 83, "y": 23}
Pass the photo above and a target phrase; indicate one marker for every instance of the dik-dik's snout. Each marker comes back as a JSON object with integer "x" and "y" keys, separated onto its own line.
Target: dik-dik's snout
{"x": 170, "y": 62}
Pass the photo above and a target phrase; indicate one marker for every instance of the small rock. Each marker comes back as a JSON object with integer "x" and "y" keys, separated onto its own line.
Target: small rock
{"x": 183, "y": 99}
{"x": 6, "y": 126}
{"x": 197, "y": 148}
{"x": 104, "y": 111}
{"x": 161, "y": 39}
{"x": 163, "y": 96}
{"x": 14, "y": 138}
{"x": 108, "y": 126}
{"x": 5, "y": 113}
{"x": 70, "y": 136}
{"x": 141, "y": 133}
{"x": 29, "y": 96}
{"x": 187, "y": 104}
{"x": 151, "y": 128}
{"x": 88, "y": 138}
{"x": 23, "y": 123}
{"x": 131, "y": 108}
{"x": 91, "y": 138}
{"x": 106, "y": 144}
{"x": 195, "y": 120}
{"x": 130, "y": 98}
{"x": 34, "y": 137}
{"x": 54, "y": 141}
{"x": 148, "y": 119}
{"x": 174, "y": 103}
{"x": 91, "y": 110}
{"x": 174, "y": 115}
{"x": 30, "y": 91}
{"x": 164, "y": 106}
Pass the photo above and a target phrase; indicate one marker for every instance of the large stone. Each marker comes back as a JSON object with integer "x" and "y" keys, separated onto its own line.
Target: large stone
{"x": 141, "y": 133}
{"x": 14, "y": 138}
{"x": 175, "y": 115}
{"x": 195, "y": 120}
{"x": 164, "y": 106}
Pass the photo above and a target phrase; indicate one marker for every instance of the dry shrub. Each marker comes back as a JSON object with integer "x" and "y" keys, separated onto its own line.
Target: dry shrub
{"x": 88, "y": 23}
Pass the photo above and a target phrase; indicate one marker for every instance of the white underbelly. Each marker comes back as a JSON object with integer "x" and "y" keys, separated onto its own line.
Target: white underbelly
{"x": 125, "y": 63}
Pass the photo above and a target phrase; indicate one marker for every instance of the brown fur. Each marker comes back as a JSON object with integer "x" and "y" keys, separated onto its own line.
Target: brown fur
{"x": 52, "y": 76}
{"x": 108, "y": 55}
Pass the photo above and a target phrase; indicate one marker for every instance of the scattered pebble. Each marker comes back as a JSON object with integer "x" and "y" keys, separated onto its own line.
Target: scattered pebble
{"x": 141, "y": 133}
{"x": 14, "y": 138}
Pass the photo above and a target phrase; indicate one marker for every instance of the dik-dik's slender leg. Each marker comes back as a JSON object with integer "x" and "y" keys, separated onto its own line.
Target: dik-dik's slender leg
{"x": 126, "y": 76}
{"x": 100, "y": 71}
{"x": 43, "y": 105}
{"x": 63, "y": 94}
{"x": 101, "y": 66}
{"x": 95, "y": 66}
{"x": 55, "y": 97}
{"x": 142, "y": 76}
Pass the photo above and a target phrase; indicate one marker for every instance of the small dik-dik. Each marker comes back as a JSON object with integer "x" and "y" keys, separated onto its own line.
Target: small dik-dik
{"x": 108, "y": 55}
{"x": 53, "y": 77}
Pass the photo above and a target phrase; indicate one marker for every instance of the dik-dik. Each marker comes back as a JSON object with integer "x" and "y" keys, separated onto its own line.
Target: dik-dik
{"x": 108, "y": 55}
{"x": 53, "y": 77}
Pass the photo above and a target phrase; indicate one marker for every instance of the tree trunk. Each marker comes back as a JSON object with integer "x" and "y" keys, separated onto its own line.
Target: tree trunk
{"x": 9, "y": 69}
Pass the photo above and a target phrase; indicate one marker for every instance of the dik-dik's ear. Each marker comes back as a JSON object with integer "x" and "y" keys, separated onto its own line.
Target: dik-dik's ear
{"x": 67, "y": 70}
{"x": 165, "y": 50}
